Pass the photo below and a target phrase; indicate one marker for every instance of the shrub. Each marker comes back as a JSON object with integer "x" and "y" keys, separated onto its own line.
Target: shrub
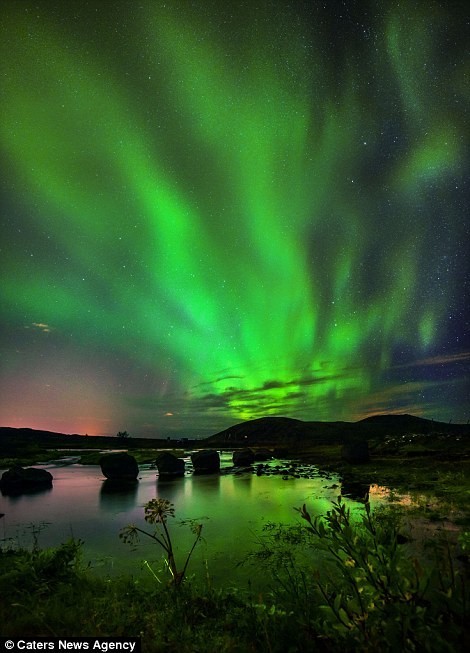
{"x": 40, "y": 570}
{"x": 362, "y": 589}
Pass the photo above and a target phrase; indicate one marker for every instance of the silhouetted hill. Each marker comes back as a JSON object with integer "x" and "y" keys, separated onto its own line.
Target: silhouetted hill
{"x": 280, "y": 430}
{"x": 284, "y": 430}
{"x": 277, "y": 431}
{"x": 33, "y": 434}
{"x": 13, "y": 440}
{"x": 399, "y": 421}
{"x": 402, "y": 424}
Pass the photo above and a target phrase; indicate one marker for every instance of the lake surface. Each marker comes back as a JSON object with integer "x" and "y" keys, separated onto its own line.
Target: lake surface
{"x": 233, "y": 509}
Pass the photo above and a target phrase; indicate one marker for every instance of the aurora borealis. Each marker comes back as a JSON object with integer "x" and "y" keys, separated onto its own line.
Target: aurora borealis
{"x": 215, "y": 211}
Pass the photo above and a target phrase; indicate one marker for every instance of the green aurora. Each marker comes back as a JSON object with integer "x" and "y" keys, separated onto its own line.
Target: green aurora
{"x": 218, "y": 211}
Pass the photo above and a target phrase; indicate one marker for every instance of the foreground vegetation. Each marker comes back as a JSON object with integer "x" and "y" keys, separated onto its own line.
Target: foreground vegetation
{"x": 337, "y": 585}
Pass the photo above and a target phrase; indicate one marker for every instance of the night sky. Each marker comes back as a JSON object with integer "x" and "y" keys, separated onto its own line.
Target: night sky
{"x": 217, "y": 211}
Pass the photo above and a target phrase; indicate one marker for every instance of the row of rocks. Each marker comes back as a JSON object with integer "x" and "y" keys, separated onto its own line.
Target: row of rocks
{"x": 124, "y": 467}
{"x": 115, "y": 467}
{"x": 204, "y": 462}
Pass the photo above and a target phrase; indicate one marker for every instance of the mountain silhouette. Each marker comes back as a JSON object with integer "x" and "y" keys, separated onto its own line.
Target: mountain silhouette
{"x": 264, "y": 430}
{"x": 285, "y": 430}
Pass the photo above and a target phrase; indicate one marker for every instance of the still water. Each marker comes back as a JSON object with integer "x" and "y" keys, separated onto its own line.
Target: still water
{"x": 232, "y": 508}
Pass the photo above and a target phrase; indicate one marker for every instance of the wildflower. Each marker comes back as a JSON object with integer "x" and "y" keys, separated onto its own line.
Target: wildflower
{"x": 158, "y": 510}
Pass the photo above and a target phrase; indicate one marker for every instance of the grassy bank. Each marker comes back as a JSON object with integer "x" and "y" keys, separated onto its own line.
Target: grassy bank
{"x": 366, "y": 588}
{"x": 435, "y": 466}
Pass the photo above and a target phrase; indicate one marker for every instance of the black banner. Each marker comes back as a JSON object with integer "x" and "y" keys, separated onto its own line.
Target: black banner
{"x": 59, "y": 644}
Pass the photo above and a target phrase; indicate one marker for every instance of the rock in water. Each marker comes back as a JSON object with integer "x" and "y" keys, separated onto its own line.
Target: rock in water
{"x": 206, "y": 462}
{"x": 356, "y": 452}
{"x": 18, "y": 480}
{"x": 119, "y": 467}
{"x": 168, "y": 465}
{"x": 243, "y": 458}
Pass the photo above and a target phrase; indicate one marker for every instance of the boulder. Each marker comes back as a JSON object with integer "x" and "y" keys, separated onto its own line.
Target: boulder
{"x": 356, "y": 452}
{"x": 206, "y": 461}
{"x": 18, "y": 480}
{"x": 168, "y": 465}
{"x": 243, "y": 458}
{"x": 119, "y": 467}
